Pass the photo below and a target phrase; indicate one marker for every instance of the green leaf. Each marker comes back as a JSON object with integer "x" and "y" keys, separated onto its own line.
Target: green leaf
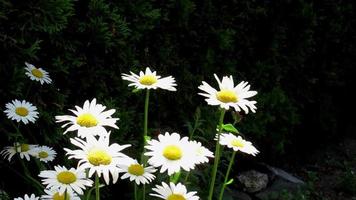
{"x": 230, "y": 128}
{"x": 136, "y": 90}
{"x": 229, "y": 182}
{"x": 147, "y": 138}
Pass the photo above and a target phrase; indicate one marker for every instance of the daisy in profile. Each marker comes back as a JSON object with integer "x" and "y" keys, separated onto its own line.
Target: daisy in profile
{"x": 37, "y": 74}
{"x": 98, "y": 156}
{"x": 89, "y": 120}
{"x": 24, "y": 150}
{"x": 136, "y": 172}
{"x": 173, "y": 192}
{"x": 171, "y": 153}
{"x": 149, "y": 80}
{"x": 55, "y": 195}
{"x": 229, "y": 95}
{"x": 202, "y": 154}
{"x": 26, "y": 197}
{"x": 21, "y": 111}
{"x": 237, "y": 143}
{"x": 62, "y": 179}
{"x": 44, "y": 153}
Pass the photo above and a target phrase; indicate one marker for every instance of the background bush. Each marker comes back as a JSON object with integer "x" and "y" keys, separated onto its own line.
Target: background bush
{"x": 297, "y": 54}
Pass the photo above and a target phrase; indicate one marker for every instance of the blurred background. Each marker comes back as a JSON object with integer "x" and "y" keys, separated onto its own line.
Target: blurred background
{"x": 298, "y": 54}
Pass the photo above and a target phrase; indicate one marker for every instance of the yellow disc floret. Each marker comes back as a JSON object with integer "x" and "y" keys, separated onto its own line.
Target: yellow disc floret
{"x": 57, "y": 196}
{"x": 24, "y": 147}
{"x": 175, "y": 197}
{"x": 237, "y": 143}
{"x": 87, "y": 120}
{"x": 43, "y": 154}
{"x": 22, "y": 111}
{"x": 172, "y": 152}
{"x": 227, "y": 96}
{"x": 136, "y": 169}
{"x": 36, "y": 72}
{"x": 66, "y": 177}
{"x": 98, "y": 157}
{"x": 148, "y": 80}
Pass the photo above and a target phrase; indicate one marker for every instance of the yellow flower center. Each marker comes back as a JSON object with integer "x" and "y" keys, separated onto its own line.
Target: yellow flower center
{"x": 237, "y": 143}
{"x": 227, "y": 96}
{"x": 172, "y": 152}
{"x": 136, "y": 169}
{"x": 25, "y": 147}
{"x": 57, "y": 196}
{"x": 98, "y": 157}
{"x": 36, "y": 72}
{"x": 22, "y": 111}
{"x": 87, "y": 120}
{"x": 175, "y": 197}
{"x": 66, "y": 177}
{"x": 43, "y": 154}
{"x": 148, "y": 80}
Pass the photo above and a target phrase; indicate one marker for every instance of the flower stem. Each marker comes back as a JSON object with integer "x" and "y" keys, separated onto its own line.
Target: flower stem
{"x": 217, "y": 156}
{"x": 227, "y": 176}
{"x": 135, "y": 191}
{"x": 145, "y": 125}
{"x": 97, "y": 188}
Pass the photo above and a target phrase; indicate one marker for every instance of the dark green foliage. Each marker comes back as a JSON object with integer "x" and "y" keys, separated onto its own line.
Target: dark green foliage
{"x": 297, "y": 54}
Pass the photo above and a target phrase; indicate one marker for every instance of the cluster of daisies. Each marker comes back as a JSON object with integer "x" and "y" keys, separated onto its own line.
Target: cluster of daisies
{"x": 99, "y": 158}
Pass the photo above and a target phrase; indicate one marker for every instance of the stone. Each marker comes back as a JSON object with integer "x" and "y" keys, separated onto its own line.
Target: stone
{"x": 253, "y": 181}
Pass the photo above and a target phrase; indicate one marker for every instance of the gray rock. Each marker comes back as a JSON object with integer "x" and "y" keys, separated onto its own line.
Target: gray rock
{"x": 284, "y": 175}
{"x": 253, "y": 181}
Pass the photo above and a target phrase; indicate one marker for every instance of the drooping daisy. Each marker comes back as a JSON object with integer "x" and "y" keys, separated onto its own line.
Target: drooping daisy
{"x": 62, "y": 179}
{"x": 202, "y": 154}
{"x": 170, "y": 152}
{"x": 173, "y": 192}
{"x": 229, "y": 95}
{"x": 26, "y": 197}
{"x": 98, "y": 156}
{"x": 136, "y": 172}
{"x": 44, "y": 153}
{"x": 55, "y": 195}
{"x": 37, "y": 74}
{"x": 237, "y": 143}
{"x": 24, "y": 150}
{"x": 149, "y": 80}
{"x": 21, "y": 111}
{"x": 89, "y": 120}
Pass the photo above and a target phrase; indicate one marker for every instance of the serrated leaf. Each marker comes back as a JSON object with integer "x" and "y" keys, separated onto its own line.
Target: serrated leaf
{"x": 230, "y": 128}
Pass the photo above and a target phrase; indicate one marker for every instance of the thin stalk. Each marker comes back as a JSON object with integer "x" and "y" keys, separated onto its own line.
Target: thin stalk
{"x": 227, "y": 176}
{"x": 217, "y": 156}
{"x": 97, "y": 188}
{"x": 135, "y": 191}
{"x": 145, "y": 125}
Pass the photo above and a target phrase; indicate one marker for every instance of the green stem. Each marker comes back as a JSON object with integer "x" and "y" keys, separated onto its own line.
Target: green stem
{"x": 135, "y": 191}
{"x": 186, "y": 177}
{"x": 89, "y": 193}
{"x": 145, "y": 125}
{"x": 227, "y": 175}
{"x": 175, "y": 177}
{"x": 97, "y": 188}
{"x": 38, "y": 185}
{"x": 217, "y": 156}
{"x": 144, "y": 192}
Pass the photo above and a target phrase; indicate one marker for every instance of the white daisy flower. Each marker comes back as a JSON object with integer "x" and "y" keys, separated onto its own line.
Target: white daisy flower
{"x": 170, "y": 152}
{"x": 229, "y": 95}
{"x": 37, "y": 74}
{"x": 89, "y": 120}
{"x": 149, "y": 80}
{"x": 173, "y": 192}
{"x": 21, "y": 111}
{"x": 44, "y": 153}
{"x": 98, "y": 156}
{"x": 26, "y": 197}
{"x": 202, "y": 154}
{"x": 55, "y": 195}
{"x": 25, "y": 151}
{"x": 62, "y": 179}
{"x": 136, "y": 172}
{"x": 237, "y": 143}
